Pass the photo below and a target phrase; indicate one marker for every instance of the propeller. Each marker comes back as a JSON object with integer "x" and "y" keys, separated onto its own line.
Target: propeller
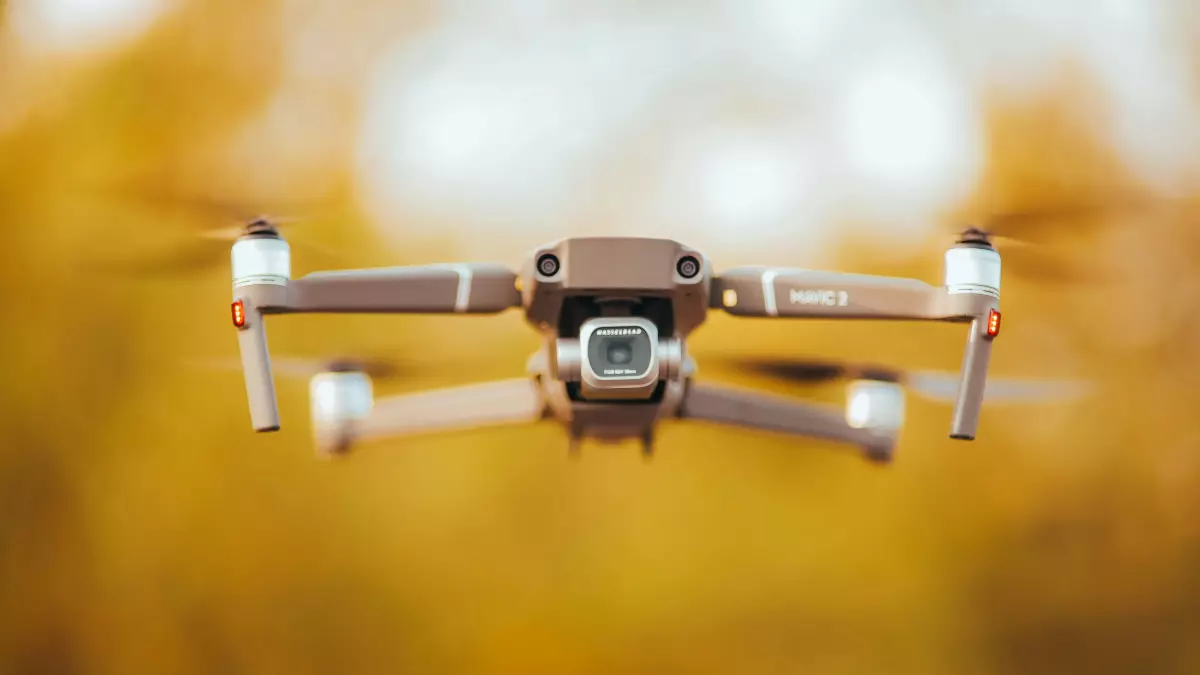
{"x": 1023, "y": 236}
{"x": 210, "y": 207}
{"x": 1028, "y": 224}
{"x": 1034, "y": 259}
{"x": 375, "y": 367}
{"x": 208, "y": 250}
{"x": 192, "y": 251}
{"x": 261, "y": 224}
{"x": 938, "y": 386}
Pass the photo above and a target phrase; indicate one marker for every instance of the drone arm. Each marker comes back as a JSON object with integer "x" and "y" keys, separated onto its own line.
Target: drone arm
{"x": 512, "y": 401}
{"x": 755, "y": 410}
{"x": 971, "y": 294}
{"x": 475, "y": 288}
{"x": 775, "y": 292}
{"x": 261, "y": 289}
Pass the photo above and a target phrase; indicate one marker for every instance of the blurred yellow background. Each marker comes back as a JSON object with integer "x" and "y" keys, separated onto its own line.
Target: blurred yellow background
{"x": 144, "y": 528}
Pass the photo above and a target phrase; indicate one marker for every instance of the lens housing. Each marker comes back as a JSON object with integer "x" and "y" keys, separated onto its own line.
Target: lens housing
{"x": 620, "y": 352}
{"x": 619, "y": 357}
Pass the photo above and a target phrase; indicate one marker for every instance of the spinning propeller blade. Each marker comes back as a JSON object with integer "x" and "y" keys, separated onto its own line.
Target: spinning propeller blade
{"x": 943, "y": 387}
{"x": 1036, "y": 261}
{"x": 375, "y": 367}
{"x": 1024, "y": 236}
{"x": 208, "y": 249}
{"x": 230, "y": 234}
{"x": 936, "y": 386}
{"x": 210, "y": 207}
{"x": 1030, "y": 224}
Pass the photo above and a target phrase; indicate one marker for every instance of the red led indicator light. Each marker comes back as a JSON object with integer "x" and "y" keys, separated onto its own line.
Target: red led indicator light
{"x": 993, "y": 324}
{"x": 239, "y": 314}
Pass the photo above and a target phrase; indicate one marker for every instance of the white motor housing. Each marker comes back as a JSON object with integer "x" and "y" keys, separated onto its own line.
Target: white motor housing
{"x": 972, "y": 269}
{"x": 871, "y": 404}
{"x": 258, "y": 259}
{"x": 338, "y": 399}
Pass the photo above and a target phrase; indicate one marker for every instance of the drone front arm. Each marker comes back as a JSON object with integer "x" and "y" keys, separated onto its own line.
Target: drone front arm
{"x": 756, "y": 410}
{"x": 971, "y": 294}
{"x": 469, "y": 288}
{"x": 794, "y": 293}
{"x": 262, "y": 286}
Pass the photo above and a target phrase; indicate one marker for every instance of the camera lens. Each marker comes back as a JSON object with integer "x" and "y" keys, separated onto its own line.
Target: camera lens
{"x": 619, "y": 353}
{"x": 547, "y": 265}
{"x": 688, "y": 267}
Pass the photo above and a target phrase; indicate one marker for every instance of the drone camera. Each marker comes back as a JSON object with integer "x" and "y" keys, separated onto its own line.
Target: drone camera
{"x": 614, "y": 358}
{"x": 620, "y": 351}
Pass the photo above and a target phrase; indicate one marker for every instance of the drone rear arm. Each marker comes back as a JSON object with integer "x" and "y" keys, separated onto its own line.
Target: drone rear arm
{"x": 262, "y": 286}
{"x": 500, "y": 402}
{"x": 971, "y": 295}
{"x": 755, "y": 410}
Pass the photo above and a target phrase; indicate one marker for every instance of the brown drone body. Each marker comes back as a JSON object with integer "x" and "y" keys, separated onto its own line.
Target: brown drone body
{"x": 615, "y": 314}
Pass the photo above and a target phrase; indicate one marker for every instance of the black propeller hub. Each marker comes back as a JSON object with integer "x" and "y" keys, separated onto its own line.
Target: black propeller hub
{"x": 975, "y": 237}
{"x": 343, "y": 366}
{"x": 371, "y": 367}
{"x": 262, "y": 227}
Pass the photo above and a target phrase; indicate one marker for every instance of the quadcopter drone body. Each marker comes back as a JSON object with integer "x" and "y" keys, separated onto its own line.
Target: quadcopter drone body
{"x": 615, "y": 314}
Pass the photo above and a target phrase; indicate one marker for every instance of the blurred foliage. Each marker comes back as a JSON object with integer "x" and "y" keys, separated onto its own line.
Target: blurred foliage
{"x": 144, "y": 529}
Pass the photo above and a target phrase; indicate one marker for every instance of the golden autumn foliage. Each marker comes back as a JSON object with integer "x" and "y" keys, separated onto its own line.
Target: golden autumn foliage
{"x": 145, "y": 529}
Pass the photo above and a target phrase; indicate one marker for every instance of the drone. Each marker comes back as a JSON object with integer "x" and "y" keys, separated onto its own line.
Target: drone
{"x": 614, "y": 315}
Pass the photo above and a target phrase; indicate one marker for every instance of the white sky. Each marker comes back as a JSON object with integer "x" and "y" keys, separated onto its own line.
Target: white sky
{"x": 507, "y": 117}
{"x": 723, "y": 122}
{"x": 78, "y": 26}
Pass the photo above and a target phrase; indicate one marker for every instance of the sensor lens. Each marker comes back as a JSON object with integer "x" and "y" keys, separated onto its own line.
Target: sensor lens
{"x": 548, "y": 265}
{"x": 619, "y": 353}
{"x": 688, "y": 267}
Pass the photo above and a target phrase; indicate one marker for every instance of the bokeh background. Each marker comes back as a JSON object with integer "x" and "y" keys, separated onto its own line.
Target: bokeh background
{"x": 145, "y": 529}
